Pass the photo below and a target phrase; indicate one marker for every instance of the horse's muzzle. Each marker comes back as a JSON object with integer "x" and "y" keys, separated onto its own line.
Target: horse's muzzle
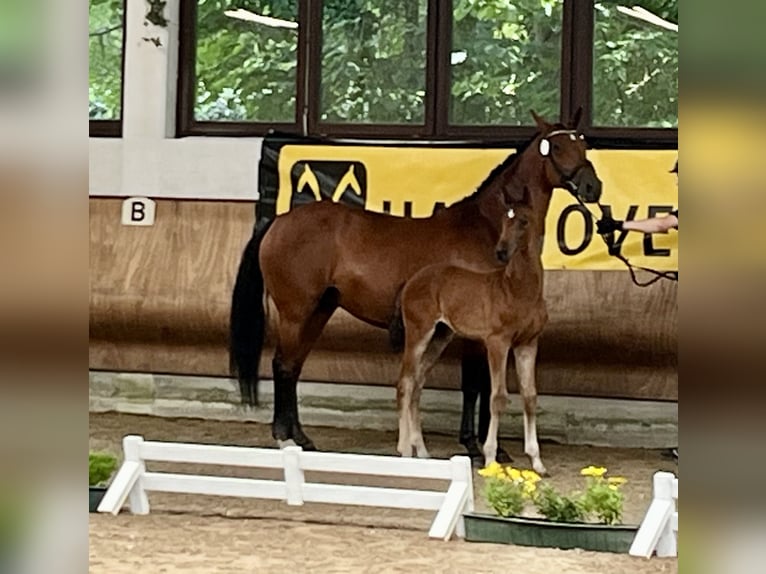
{"x": 586, "y": 184}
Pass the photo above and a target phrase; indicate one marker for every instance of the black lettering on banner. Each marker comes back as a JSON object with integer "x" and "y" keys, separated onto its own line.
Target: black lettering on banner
{"x": 614, "y": 248}
{"x": 137, "y": 211}
{"x": 408, "y": 209}
{"x": 386, "y": 206}
{"x": 649, "y": 248}
{"x": 561, "y": 228}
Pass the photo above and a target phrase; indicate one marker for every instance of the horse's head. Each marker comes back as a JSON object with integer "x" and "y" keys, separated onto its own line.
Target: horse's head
{"x": 517, "y": 227}
{"x": 563, "y": 148}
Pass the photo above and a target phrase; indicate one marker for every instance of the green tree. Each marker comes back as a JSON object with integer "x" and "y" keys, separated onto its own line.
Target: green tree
{"x": 105, "y": 22}
{"x": 373, "y": 61}
{"x": 505, "y": 60}
{"x": 635, "y": 67}
{"x": 246, "y": 70}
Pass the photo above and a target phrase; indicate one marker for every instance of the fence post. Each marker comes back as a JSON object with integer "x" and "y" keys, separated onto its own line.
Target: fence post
{"x": 463, "y": 471}
{"x": 294, "y": 478}
{"x": 139, "y": 503}
{"x": 656, "y": 530}
{"x": 663, "y": 490}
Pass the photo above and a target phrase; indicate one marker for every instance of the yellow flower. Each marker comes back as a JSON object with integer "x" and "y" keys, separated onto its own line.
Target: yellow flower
{"x": 513, "y": 473}
{"x": 596, "y": 471}
{"x": 529, "y": 488}
{"x": 613, "y": 487}
{"x": 493, "y": 470}
{"x": 616, "y": 480}
{"x": 530, "y": 476}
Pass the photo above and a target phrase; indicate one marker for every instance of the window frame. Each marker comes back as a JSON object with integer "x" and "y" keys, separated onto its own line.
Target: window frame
{"x": 187, "y": 125}
{"x": 575, "y": 82}
{"x": 113, "y": 128}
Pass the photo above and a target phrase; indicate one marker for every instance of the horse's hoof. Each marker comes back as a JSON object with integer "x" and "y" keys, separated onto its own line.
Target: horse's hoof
{"x": 541, "y": 470}
{"x": 503, "y": 457}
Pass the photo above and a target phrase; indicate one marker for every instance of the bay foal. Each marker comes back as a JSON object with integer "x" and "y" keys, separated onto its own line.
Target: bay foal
{"x": 504, "y": 309}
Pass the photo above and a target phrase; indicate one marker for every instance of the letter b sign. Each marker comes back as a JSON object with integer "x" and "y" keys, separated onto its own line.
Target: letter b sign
{"x": 138, "y": 211}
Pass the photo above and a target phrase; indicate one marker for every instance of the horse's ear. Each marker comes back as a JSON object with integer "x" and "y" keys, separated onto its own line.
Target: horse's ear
{"x": 575, "y": 122}
{"x": 542, "y": 125}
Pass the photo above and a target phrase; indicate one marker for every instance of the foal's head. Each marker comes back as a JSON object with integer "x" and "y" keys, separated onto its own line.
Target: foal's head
{"x": 563, "y": 148}
{"x": 517, "y": 228}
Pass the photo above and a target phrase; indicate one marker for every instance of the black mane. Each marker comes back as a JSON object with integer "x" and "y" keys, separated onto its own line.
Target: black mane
{"x": 500, "y": 168}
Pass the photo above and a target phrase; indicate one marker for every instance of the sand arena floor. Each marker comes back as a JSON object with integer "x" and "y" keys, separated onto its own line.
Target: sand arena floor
{"x": 198, "y": 534}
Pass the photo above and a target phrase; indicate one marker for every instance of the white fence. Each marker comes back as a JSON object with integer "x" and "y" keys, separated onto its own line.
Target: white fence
{"x": 659, "y": 529}
{"x": 133, "y": 481}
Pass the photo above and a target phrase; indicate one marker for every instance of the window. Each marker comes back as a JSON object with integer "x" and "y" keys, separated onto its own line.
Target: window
{"x": 105, "y": 23}
{"x": 240, "y": 66}
{"x": 246, "y": 61}
{"x": 431, "y": 69}
{"x": 505, "y": 59}
{"x": 635, "y": 65}
{"x": 373, "y": 66}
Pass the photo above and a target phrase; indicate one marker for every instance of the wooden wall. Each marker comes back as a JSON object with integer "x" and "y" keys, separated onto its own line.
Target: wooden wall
{"x": 159, "y": 302}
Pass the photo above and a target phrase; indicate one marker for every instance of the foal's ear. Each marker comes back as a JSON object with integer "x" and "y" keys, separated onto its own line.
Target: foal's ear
{"x": 517, "y": 195}
{"x": 574, "y": 123}
{"x": 542, "y": 125}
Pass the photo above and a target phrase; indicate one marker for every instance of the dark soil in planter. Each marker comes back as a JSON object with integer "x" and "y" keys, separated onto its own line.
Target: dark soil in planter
{"x": 95, "y": 494}
{"x": 544, "y": 533}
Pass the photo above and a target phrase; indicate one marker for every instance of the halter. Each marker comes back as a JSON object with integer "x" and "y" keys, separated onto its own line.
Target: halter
{"x": 545, "y": 151}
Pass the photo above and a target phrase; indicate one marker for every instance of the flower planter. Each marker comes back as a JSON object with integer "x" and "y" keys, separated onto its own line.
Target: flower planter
{"x": 95, "y": 494}
{"x": 541, "y": 532}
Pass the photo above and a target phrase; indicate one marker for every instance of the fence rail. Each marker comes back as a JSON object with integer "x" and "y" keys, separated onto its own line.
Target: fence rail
{"x": 132, "y": 481}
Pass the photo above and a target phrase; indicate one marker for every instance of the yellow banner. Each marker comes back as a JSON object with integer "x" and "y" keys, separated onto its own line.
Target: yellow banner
{"x": 410, "y": 181}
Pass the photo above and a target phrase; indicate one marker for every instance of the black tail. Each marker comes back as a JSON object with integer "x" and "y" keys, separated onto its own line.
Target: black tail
{"x": 396, "y": 327}
{"x": 247, "y": 322}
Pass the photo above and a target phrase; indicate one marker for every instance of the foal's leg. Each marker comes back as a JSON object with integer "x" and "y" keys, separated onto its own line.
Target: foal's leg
{"x": 440, "y": 338}
{"x": 497, "y": 352}
{"x": 475, "y": 384}
{"x": 416, "y": 343}
{"x": 296, "y": 338}
{"x": 526, "y": 357}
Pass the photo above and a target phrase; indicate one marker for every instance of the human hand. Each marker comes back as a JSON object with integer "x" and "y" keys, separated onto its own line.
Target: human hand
{"x": 608, "y": 225}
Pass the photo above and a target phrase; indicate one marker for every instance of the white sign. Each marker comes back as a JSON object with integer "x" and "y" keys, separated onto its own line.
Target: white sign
{"x": 138, "y": 211}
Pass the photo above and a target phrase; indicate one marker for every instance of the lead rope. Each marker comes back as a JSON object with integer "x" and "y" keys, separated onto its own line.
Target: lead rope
{"x": 670, "y": 275}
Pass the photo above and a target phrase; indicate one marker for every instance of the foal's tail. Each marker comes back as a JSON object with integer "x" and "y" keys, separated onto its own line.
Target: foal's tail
{"x": 247, "y": 321}
{"x": 396, "y": 326}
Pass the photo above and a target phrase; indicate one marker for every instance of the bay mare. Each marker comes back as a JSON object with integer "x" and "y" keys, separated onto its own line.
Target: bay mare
{"x": 321, "y": 256}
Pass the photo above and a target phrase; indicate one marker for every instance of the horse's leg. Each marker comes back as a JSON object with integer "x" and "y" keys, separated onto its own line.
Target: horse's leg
{"x": 497, "y": 352}
{"x": 404, "y": 398}
{"x": 416, "y": 343}
{"x": 485, "y": 390}
{"x": 441, "y": 337}
{"x": 526, "y": 357}
{"x": 475, "y": 381}
{"x": 296, "y": 338}
{"x": 472, "y": 366}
